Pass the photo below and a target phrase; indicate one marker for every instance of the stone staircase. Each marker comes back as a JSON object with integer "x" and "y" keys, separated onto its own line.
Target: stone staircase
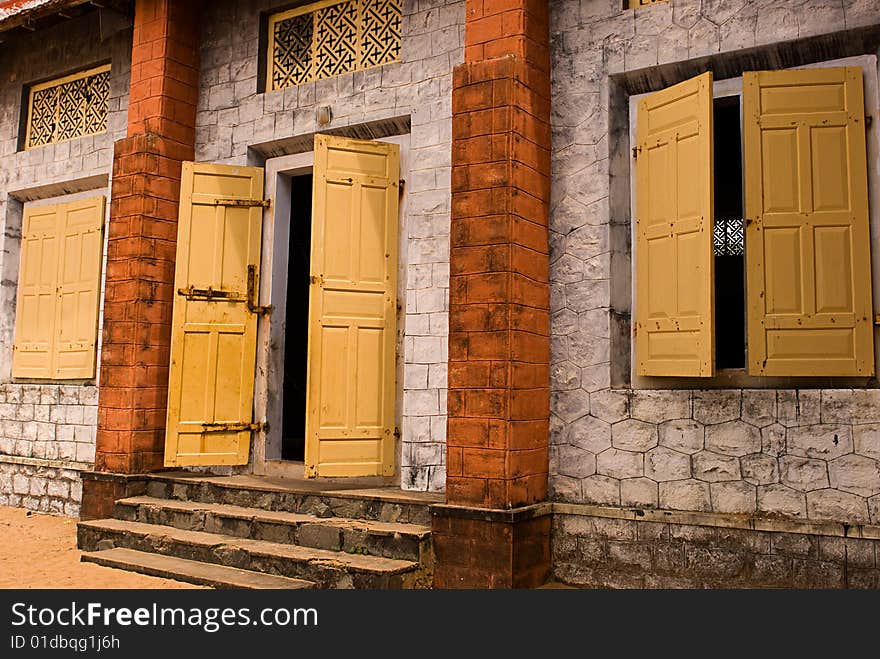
{"x": 248, "y": 532}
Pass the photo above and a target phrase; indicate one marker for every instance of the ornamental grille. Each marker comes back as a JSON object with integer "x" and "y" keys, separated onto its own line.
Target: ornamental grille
{"x": 729, "y": 237}
{"x": 330, "y": 38}
{"x": 69, "y": 107}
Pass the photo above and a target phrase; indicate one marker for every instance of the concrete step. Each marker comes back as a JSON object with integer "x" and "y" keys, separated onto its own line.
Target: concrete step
{"x": 384, "y": 504}
{"x": 327, "y": 569}
{"x": 195, "y": 572}
{"x": 388, "y": 539}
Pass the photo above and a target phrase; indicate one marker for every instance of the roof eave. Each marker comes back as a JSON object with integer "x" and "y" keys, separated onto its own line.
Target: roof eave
{"x": 27, "y": 18}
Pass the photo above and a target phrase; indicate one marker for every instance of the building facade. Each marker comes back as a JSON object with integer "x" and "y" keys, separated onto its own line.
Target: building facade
{"x": 601, "y": 274}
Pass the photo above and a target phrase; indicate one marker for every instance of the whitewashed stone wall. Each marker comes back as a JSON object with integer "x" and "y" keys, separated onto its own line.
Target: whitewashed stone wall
{"x": 47, "y": 430}
{"x": 800, "y": 453}
{"x": 235, "y": 120}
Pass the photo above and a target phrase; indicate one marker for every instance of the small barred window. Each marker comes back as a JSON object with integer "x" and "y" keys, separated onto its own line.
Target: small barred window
{"x": 330, "y": 38}
{"x": 69, "y": 107}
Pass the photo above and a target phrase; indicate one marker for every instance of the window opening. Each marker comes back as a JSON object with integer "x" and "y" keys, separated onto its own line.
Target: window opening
{"x": 729, "y": 237}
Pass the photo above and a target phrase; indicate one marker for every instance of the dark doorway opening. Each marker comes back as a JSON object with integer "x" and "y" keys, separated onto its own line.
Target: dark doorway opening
{"x": 296, "y": 332}
{"x": 729, "y": 243}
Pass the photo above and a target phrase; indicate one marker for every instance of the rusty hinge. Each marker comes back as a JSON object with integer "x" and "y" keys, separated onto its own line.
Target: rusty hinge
{"x": 262, "y": 426}
{"x": 397, "y": 433}
{"x": 244, "y": 203}
{"x": 316, "y": 280}
{"x": 636, "y": 150}
{"x": 252, "y": 294}
{"x": 210, "y": 294}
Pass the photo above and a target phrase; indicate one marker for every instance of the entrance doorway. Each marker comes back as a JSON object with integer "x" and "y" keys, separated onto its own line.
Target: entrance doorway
{"x": 296, "y": 322}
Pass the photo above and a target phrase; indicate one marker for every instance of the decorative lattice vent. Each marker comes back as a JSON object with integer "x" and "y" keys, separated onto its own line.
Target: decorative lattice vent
{"x": 69, "y": 107}
{"x": 729, "y": 238}
{"x": 330, "y": 38}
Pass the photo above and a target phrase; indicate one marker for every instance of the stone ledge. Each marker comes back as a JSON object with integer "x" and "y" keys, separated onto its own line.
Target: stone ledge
{"x": 90, "y": 475}
{"x": 45, "y": 462}
{"x": 721, "y": 520}
{"x": 512, "y": 516}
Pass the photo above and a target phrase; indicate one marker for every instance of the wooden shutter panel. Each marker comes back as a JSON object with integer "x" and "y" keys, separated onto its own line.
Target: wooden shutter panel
{"x": 35, "y": 315}
{"x": 352, "y": 308}
{"x": 81, "y": 242}
{"x": 214, "y": 325}
{"x": 807, "y": 239}
{"x": 674, "y": 258}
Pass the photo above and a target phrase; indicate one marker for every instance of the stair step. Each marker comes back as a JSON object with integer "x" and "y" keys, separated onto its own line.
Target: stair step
{"x": 389, "y": 539}
{"x": 328, "y": 569}
{"x": 379, "y": 504}
{"x": 194, "y": 572}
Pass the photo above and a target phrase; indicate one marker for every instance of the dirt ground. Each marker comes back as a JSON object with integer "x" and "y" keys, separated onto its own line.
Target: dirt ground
{"x": 39, "y": 551}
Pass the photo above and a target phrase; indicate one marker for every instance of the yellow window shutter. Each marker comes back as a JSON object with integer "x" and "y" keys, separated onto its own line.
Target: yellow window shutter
{"x": 352, "y": 308}
{"x": 807, "y": 240}
{"x": 35, "y": 315}
{"x": 214, "y": 325}
{"x": 675, "y": 312}
{"x": 81, "y": 241}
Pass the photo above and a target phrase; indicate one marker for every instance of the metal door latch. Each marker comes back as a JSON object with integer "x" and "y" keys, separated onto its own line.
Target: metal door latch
{"x": 243, "y": 203}
{"x": 262, "y": 426}
{"x": 210, "y": 294}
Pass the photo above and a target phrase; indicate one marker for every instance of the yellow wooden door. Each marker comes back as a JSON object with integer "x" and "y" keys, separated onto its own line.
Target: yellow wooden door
{"x": 213, "y": 336}
{"x": 808, "y": 251}
{"x": 35, "y": 314}
{"x": 675, "y": 311}
{"x": 79, "y": 288}
{"x": 352, "y": 309}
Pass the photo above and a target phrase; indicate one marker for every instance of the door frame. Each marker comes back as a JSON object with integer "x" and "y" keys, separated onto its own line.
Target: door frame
{"x": 268, "y": 403}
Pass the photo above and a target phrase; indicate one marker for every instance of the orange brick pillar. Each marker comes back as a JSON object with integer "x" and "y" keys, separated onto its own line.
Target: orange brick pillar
{"x": 142, "y": 246}
{"x": 494, "y": 529}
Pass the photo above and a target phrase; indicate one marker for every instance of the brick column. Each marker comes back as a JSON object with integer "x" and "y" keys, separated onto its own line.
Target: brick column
{"x": 142, "y": 246}
{"x": 499, "y": 339}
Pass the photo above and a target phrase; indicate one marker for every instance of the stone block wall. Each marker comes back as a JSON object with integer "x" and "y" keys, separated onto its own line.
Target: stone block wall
{"x": 238, "y": 123}
{"x": 595, "y": 548}
{"x": 801, "y": 453}
{"x": 47, "y": 430}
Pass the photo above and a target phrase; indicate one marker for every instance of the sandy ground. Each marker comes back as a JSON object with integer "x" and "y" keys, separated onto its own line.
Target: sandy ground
{"x": 39, "y": 551}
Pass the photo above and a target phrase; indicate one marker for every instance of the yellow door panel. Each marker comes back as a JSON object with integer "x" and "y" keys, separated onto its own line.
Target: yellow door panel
{"x": 79, "y": 288}
{"x": 674, "y": 258}
{"x": 213, "y": 337}
{"x": 59, "y": 290}
{"x": 807, "y": 238}
{"x": 35, "y": 314}
{"x": 352, "y": 309}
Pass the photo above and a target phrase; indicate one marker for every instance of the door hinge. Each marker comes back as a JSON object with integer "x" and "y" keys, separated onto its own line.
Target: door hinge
{"x": 397, "y": 433}
{"x": 253, "y": 295}
{"x": 244, "y": 203}
{"x": 262, "y": 426}
{"x": 636, "y": 150}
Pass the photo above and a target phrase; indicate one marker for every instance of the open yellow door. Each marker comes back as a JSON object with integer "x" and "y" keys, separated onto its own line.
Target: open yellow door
{"x": 675, "y": 311}
{"x": 352, "y": 309}
{"x": 213, "y": 337}
{"x": 807, "y": 239}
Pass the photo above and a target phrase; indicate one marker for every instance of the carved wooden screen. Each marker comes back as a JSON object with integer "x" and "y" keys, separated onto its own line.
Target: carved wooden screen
{"x": 330, "y": 38}
{"x": 69, "y": 107}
